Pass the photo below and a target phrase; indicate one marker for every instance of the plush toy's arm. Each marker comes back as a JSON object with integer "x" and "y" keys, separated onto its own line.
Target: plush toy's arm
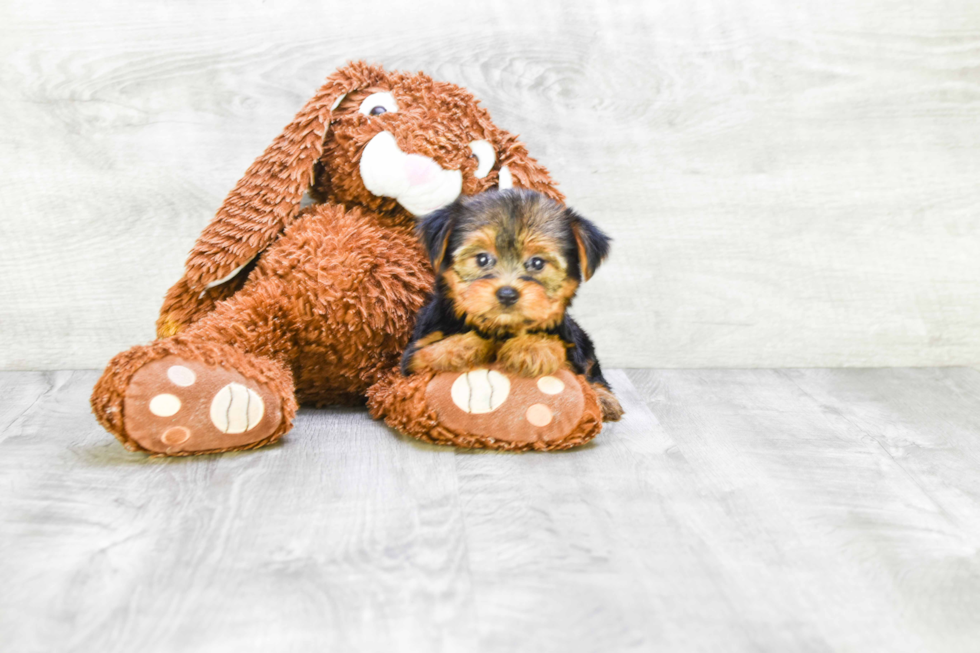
{"x": 253, "y": 215}
{"x": 263, "y": 203}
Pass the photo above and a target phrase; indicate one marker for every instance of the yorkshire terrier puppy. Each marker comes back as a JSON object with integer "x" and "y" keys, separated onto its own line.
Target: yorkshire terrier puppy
{"x": 508, "y": 264}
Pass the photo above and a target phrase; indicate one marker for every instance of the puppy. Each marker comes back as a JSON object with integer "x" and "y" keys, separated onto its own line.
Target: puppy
{"x": 508, "y": 264}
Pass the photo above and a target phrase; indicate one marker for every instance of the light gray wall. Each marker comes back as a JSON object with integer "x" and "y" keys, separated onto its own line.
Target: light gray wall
{"x": 788, "y": 183}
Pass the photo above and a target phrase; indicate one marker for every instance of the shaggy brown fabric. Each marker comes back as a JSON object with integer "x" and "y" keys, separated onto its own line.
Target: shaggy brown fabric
{"x": 335, "y": 300}
{"x": 329, "y": 304}
{"x": 435, "y": 119}
{"x": 407, "y": 404}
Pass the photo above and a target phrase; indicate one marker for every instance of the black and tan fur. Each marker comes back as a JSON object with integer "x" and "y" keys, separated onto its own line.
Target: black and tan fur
{"x": 508, "y": 264}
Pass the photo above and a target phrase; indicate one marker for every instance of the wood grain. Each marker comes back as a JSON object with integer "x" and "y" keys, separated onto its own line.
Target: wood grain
{"x": 788, "y": 184}
{"x": 735, "y": 510}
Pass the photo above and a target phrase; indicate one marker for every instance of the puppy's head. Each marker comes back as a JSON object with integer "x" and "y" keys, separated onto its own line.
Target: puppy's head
{"x": 511, "y": 260}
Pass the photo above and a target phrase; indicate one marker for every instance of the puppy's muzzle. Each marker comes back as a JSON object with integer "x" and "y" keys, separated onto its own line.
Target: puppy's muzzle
{"x": 508, "y": 295}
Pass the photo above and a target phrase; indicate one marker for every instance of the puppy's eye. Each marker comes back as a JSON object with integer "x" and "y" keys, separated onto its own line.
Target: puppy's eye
{"x": 485, "y": 158}
{"x": 484, "y": 260}
{"x": 378, "y": 103}
{"x": 535, "y": 263}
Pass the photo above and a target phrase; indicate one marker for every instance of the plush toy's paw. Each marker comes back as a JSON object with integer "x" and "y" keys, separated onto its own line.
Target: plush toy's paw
{"x": 178, "y": 406}
{"x": 612, "y": 410}
{"x": 532, "y": 355}
{"x": 490, "y": 408}
{"x": 515, "y": 410}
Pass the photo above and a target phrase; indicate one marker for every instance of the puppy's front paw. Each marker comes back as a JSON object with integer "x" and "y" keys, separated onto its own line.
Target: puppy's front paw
{"x": 457, "y": 353}
{"x": 612, "y": 411}
{"x": 532, "y": 355}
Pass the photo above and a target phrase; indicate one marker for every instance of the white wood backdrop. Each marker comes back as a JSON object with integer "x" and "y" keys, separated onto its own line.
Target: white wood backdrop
{"x": 789, "y": 183}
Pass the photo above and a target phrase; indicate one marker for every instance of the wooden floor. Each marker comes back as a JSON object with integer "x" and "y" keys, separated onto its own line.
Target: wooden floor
{"x": 755, "y": 510}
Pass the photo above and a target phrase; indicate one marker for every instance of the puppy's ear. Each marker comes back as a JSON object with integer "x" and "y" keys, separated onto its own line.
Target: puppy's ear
{"x": 435, "y": 229}
{"x": 591, "y": 242}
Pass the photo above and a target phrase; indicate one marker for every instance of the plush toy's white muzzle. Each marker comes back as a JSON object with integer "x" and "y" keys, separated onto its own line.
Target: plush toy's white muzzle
{"x": 417, "y": 182}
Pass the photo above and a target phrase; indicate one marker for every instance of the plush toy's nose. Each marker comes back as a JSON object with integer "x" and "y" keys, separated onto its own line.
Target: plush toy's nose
{"x": 420, "y": 169}
{"x": 418, "y": 182}
{"x": 508, "y": 295}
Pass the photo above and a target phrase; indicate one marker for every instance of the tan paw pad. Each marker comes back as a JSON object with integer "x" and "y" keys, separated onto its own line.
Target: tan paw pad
{"x": 480, "y": 391}
{"x": 550, "y": 385}
{"x": 181, "y": 375}
{"x": 164, "y": 405}
{"x": 539, "y": 415}
{"x": 236, "y": 409}
{"x": 176, "y": 435}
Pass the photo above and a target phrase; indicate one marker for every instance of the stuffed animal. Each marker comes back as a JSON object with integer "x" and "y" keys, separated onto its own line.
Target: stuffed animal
{"x": 281, "y": 304}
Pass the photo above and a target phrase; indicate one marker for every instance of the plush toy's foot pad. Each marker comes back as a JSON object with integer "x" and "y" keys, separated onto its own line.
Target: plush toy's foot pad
{"x": 174, "y": 406}
{"x": 500, "y": 410}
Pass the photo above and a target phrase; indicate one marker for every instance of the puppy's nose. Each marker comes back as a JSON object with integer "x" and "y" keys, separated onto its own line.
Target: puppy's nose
{"x": 508, "y": 295}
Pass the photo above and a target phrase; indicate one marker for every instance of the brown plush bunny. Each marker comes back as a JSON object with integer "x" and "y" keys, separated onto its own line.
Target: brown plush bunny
{"x": 280, "y": 304}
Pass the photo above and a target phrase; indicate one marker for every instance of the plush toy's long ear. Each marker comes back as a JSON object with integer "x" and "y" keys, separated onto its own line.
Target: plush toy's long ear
{"x": 260, "y": 206}
{"x": 435, "y": 229}
{"x": 519, "y": 170}
{"x": 267, "y": 198}
{"x": 592, "y": 243}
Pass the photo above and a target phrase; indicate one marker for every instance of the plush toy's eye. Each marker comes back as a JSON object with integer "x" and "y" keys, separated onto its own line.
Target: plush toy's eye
{"x": 378, "y": 103}
{"x": 535, "y": 263}
{"x": 484, "y": 260}
{"x": 485, "y": 156}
